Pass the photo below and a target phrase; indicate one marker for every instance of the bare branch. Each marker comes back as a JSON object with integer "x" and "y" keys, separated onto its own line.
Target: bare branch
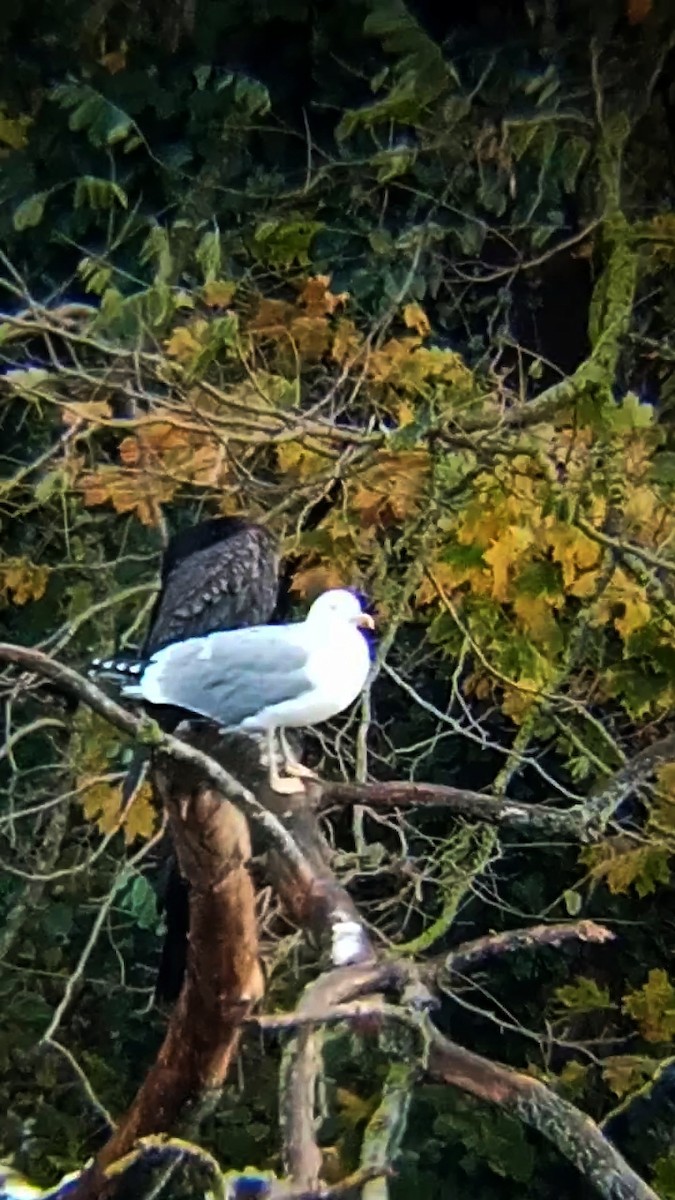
{"x": 302, "y": 1061}
{"x": 584, "y": 822}
{"x": 147, "y": 732}
{"x": 476, "y": 953}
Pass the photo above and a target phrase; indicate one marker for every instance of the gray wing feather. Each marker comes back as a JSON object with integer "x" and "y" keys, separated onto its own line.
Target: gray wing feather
{"x": 231, "y": 675}
{"x": 228, "y": 585}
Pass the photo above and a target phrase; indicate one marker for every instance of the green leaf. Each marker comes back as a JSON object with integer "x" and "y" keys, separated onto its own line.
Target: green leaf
{"x": 572, "y": 901}
{"x": 583, "y": 996}
{"x": 630, "y": 414}
{"x": 539, "y": 578}
{"x": 140, "y": 902}
{"x": 58, "y": 920}
{"x": 27, "y": 382}
{"x": 572, "y": 154}
{"x": 662, "y": 468}
{"x": 30, "y": 212}
{"x": 393, "y": 162}
{"x": 282, "y": 243}
{"x": 51, "y": 484}
{"x": 99, "y": 193}
{"x": 209, "y": 255}
{"x": 202, "y": 75}
{"x": 104, "y": 123}
{"x": 252, "y": 96}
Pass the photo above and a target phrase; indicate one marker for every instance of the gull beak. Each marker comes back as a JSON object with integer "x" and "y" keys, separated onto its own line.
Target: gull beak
{"x": 365, "y": 621}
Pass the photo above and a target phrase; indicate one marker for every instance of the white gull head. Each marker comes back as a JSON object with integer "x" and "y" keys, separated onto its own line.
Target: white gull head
{"x": 338, "y": 604}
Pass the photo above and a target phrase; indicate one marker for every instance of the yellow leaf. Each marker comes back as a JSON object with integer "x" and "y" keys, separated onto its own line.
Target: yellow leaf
{"x": 184, "y": 342}
{"x": 666, "y": 778}
{"x": 22, "y": 578}
{"x": 625, "y": 1072}
{"x": 623, "y": 593}
{"x": 85, "y": 410}
{"x": 298, "y": 458}
{"x": 534, "y": 613}
{"x": 662, "y": 809}
{"x": 14, "y": 130}
{"x": 142, "y": 818}
{"x": 652, "y": 1007}
{"x": 450, "y": 576}
{"x": 504, "y": 554}
{"x": 405, "y": 413}
{"x": 637, "y": 613}
{"x": 518, "y": 701}
{"x": 640, "y": 508}
{"x": 354, "y": 1109}
{"x": 573, "y": 1079}
{"x": 218, "y": 293}
{"x": 347, "y": 341}
{"x": 585, "y": 585}
{"x": 642, "y": 867}
{"x": 573, "y": 550}
{"x": 415, "y": 318}
{"x": 101, "y": 805}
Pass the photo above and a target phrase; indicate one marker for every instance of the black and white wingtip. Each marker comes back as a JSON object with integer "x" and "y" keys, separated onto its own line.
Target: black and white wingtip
{"x": 126, "y": 673}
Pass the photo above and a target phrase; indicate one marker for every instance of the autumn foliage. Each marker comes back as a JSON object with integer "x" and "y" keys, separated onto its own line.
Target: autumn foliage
{"x": 353, "y": 345}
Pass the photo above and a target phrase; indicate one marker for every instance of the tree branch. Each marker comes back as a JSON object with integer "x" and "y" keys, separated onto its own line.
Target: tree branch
{"x": 474, "y": 954}
{"x": 575, "y": 1135}
{"x": 302, "y": 1061}
{"x": 147, "y": 732}
{"x": 584, "y": 822}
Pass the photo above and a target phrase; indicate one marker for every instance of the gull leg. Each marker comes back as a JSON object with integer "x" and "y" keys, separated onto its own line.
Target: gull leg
{"x": 286, "y": 787}
{"x": 293, "y": 767}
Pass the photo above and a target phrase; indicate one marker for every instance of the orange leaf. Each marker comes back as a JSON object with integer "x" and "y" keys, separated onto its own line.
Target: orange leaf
{"x": 638, "y": 10}
{"x": 24, "y": 579}
{"x": 311, "y": 335}
{"x": 392, "y": 488}
{"x": 127, "y": 491}
{"x": 309, "y": 582}
{"x": 271, "y": 317}
{"x": 318, "y": 300}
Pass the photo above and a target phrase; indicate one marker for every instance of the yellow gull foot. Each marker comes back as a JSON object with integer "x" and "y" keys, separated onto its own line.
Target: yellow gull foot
{"x": 286, "y": 787}
{"x": 299, "y": 770}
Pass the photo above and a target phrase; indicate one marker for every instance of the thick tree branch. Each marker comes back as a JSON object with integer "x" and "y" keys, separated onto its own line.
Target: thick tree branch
{"x": 223, "y": 978}
{"x": 574, "y": 1134}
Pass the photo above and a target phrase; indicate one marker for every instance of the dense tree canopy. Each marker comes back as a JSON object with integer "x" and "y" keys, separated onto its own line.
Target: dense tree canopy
{"x": 396, "y": 281}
